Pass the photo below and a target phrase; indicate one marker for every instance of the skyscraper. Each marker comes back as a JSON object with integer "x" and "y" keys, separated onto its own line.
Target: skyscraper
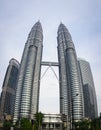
{"x": 27, "y": 94}
{"x": 71, "y": 98}
{"x": 90, "y": 102}
{"x": 8, "y": 90}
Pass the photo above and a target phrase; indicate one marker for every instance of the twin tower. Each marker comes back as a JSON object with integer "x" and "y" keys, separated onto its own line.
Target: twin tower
{"x": 28, "y": 86}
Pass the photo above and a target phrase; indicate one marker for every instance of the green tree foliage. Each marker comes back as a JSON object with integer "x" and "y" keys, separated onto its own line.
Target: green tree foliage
{"x": 7, "y": 124}
{"x": 94, "y": 124}
{"x": 38, "y": 122}
{"x": 23, "y": 124}
{"x": 17, "y": 125}
{"x": 82, "y": 125}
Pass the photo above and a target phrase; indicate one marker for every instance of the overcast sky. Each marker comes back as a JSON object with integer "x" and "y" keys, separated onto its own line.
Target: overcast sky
{"x": 81, "y": 17}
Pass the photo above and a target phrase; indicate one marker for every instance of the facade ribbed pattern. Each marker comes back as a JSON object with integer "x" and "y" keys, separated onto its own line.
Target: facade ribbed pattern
{"x": 70, "y": 81}
{"x": 20, "y": 83}
{"x": 90, "y": 102}
{"x": 29, "y": 75}
{"x": 26, "y": 92}
{"x": 63, "y": 80}
{"x": 36, "y": 82}
{"x": 75, "y": 84}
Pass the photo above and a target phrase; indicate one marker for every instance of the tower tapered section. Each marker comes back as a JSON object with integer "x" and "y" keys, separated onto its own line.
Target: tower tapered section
{"x": 27, "y": 94}
{"x": 71, "y": 99}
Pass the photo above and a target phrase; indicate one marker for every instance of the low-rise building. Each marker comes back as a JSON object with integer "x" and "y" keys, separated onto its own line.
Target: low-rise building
{"x": 52, "y": 122}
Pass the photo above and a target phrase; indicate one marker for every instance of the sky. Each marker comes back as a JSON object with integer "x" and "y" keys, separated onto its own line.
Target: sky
{"x": 81, "y": 17}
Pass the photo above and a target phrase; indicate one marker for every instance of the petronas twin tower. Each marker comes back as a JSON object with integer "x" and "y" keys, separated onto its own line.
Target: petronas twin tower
{"x": 28, "y": 86}
{"x": 27, "y": 94}
{"x": 71, "y": 100}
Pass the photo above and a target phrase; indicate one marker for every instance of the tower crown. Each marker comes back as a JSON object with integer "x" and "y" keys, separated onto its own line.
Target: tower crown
{"x": 62, "y": 28}
{"x": 36, "y": 33}
{"x": 64, "y": 37}
{"x": 37, "y": 26}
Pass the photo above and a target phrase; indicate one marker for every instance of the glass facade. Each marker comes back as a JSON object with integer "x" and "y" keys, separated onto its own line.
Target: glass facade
{"x": 27, "y": 94}
{"x": 12, "y": 79}
{"x": 8, "y": 89}
{"x": 71, "y": 99}
{"x": 90, "y": 102}
{"x": 72, "y": 91}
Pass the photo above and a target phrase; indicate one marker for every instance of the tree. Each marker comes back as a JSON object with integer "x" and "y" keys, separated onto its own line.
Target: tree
{"x": 7, "y": 124}
{"x": 82, "y": 125}
{"x": 38, "y": 122}
{"x": 95, "y": 124}
{"x": 23, "y": 124}
{"x": 85, "y": 124}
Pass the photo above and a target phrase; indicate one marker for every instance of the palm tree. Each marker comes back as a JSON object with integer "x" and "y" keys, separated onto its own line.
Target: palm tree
{"x": 38, "y": 122}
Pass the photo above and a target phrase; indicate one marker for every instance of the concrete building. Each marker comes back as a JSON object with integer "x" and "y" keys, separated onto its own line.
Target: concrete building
{"x": 52, "y": 122}
{"x": 27, "y": 94}
{"x": 90, "y": 102}
{"x": 8, "y": 90}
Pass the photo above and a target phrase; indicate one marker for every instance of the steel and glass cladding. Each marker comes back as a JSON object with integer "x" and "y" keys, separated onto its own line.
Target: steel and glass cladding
{"x": 27, "y": 94}
{"x": 8, "y": 90}
{"x": 75, "y": 78}
{"x": 90, "y": 102}
{"x": 71, "y": 98}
